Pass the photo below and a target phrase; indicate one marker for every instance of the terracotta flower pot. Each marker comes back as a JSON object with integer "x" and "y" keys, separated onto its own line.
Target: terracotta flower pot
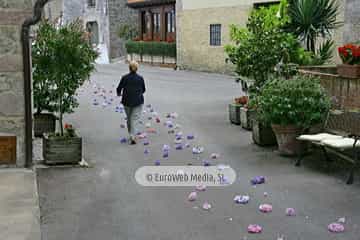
{"x": 286, "y": 139}
{"x": 349, "y": 71}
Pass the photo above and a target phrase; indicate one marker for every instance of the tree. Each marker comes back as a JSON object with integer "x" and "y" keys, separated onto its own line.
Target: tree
{"x": 312, "y": 19}
{"x": 68, "y": 62}
{"x": 259, "y": 47}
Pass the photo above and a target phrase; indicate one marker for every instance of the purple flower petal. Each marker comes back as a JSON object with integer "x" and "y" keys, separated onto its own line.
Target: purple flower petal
{"x": 179, "y": 147}
{"x": 190, "y": 137}
{"x": 206, "y": 163}
{"x": 258, "y": 180}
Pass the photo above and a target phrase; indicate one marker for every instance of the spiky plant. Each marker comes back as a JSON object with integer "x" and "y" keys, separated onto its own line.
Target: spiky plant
{"x": 311, "y": 19}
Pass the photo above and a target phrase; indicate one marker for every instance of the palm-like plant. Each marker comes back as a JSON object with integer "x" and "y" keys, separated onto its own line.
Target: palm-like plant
{"x": 311, "y": 19}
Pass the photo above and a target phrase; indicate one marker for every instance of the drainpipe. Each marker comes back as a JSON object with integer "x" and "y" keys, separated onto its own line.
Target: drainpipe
{"x": 25, "y": 32}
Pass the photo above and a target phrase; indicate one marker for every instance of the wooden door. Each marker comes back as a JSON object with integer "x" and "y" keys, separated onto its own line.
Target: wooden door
{"x": 7, "y": 150}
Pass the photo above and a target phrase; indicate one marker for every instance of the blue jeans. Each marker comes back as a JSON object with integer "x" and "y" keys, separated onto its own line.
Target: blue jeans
{"x": 133, "y": 118}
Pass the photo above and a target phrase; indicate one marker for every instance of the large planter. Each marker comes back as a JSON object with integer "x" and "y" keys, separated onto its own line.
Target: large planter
{"x": 234, "y": 113}
{"x": 262, "y": 134}
{"x": 44, "y": 123}
{"x": 62, "y": 150}
{"x": 246, "y": 116}
{"x": 286, "y": 139}
{"x": 349, "y": 71}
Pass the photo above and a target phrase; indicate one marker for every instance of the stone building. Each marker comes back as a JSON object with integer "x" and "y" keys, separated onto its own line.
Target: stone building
{"x": 200, "y": 21}
{"x": 12, "y": 93}
{"x": 101, "y": 17}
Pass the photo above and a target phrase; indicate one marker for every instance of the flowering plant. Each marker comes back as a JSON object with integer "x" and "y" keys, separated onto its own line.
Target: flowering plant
{"x": 69, "y": 130}
{"x": 350, "y": 54}
{"x": 242, "y": 100}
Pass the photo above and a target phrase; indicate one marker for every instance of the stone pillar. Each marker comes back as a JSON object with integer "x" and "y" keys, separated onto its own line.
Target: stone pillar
{"x": 12, "y": 106}
{"x": 352, "y": 21}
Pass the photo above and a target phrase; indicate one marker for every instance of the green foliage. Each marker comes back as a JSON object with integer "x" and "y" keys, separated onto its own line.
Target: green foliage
{"x": 325, "y": 52}
{"x": 63, "y": 59}
{"x": 151, "y": 48}
{"x": 313, "y": 19}
{"x": 259, "y": 47}
{"x": 300, "y": 101}
{"x": 127, "y": 32}
{"x": 42, "y": 70}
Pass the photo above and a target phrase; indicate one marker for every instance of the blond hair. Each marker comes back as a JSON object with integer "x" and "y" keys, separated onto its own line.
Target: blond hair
{"x": 133, "y": 66}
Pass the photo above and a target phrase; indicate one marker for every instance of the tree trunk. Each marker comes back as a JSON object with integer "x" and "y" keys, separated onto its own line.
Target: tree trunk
{"x": 61, "y": 117}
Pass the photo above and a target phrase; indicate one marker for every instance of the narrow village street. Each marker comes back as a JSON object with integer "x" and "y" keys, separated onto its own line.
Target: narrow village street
{"x": 104, "y": 202}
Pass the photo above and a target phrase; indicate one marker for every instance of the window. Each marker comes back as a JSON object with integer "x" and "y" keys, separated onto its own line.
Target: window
{"x": 156, "y": 21}
{"x": 215, "y": 34}
{"x": 170, "y": 21}
{"x": 265, "y": 4}
{"x": 91, "y": 3}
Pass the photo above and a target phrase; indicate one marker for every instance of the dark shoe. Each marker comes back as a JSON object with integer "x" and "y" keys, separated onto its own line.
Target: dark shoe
{"x": 132, "y": 141}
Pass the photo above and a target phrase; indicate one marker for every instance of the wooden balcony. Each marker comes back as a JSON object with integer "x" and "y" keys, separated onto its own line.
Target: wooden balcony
{"x": 146, "y": 3}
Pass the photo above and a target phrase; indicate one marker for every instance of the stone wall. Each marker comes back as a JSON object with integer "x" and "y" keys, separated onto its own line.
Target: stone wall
{"x": 12, "y": 120}
{"x": 53, "y": 9}
{"x": 119, "y": 14}
{"x": 193, "y": 42}
{"x": 352, "y": 21}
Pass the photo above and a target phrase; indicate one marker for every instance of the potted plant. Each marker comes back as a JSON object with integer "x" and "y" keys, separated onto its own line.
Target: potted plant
{"x": 71, "y": 59}
{"x": 262, "y": 132}
{"x": 234, "y": 109}
{"x": 62, "y": 149}
{"x": 350, "y": 56}
{"x": 292, "y": 107}
{"x": 44, "y": 119}
{"x": 257, "y": 49}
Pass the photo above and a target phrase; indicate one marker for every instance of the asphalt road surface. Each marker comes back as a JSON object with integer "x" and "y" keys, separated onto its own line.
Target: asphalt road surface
{"x": 105, "y": 202}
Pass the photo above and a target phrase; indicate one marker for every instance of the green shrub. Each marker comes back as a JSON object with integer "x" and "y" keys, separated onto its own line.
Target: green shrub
{"x": 151, "y": 48}
{"x": 259, "y": 47}
{"x": 299, "y": 101}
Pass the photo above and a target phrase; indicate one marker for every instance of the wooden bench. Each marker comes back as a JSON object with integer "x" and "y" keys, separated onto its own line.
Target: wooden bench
{"x": 341, "y": 137}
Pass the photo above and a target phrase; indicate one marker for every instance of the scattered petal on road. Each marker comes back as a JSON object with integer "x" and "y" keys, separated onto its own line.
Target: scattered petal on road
{"x": 198, "y": 150}
{"x": 254, "y": 228}
{"x": 190, "y": 137}
{"x": 265, "y": 208}
{"x": 336, "y": 228}
{"x": 201, "y": 188}
{"x": 206, "y": 206}
{"x": 242, "y": 199}
{"x": 258, "y": 180}
{"x": 290, "y": 212}
{"x": 192, "y": 196}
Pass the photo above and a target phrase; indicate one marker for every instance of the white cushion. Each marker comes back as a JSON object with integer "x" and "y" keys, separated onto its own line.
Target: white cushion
{"x": 318, "y": 137}
{"x": 344, "y": 143}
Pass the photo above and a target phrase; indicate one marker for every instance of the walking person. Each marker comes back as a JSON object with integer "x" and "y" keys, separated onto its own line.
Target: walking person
{"x": 132, "y": 88}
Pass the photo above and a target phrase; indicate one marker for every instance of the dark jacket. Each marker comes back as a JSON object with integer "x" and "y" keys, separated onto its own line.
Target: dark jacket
{"x": 132, "y": 87}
